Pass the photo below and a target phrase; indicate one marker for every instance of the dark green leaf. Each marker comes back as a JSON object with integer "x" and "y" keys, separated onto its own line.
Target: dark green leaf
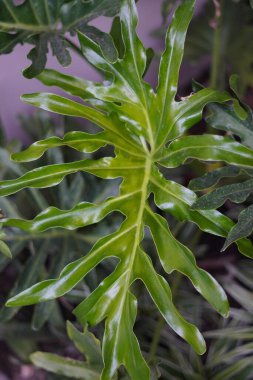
{"x": 43, "y": 22}
{"x": 225, "y": 118}
{"x": 237, "y": 193}
{"x": 212, "y": 178}
{"x": 243, "y": 228}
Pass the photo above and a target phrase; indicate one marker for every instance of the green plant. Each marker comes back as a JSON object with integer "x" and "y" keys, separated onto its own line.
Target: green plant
{"x": 41, "y": 23}
{"x": 146, "y": 131}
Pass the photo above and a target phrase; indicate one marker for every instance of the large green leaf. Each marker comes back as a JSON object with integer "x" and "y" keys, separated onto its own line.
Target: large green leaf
{"x": 139, "y": 123}
{"x": 41, "y": 23}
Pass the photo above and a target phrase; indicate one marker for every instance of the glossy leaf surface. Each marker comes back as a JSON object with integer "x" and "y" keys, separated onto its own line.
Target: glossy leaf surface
{"x": 139, "y": 123}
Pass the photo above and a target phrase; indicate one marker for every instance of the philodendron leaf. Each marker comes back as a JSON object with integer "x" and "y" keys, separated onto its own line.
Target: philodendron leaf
{"x": 44, "y": 23}
{"x": 145, "y": 127}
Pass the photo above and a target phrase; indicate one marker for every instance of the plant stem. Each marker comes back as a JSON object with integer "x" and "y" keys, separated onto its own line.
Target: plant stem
{"x": 215, "y": 77}
{"x": 156, "y": 337}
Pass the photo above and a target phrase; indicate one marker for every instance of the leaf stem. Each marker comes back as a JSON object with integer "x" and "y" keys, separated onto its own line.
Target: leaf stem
{"x": 156, "y": 338}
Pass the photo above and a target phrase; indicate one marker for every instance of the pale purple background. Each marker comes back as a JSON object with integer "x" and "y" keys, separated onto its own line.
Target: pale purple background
{"x": 13, "y": 84}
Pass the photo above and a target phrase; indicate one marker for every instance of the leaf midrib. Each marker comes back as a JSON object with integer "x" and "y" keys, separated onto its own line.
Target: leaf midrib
{"x": 138, "y": 230}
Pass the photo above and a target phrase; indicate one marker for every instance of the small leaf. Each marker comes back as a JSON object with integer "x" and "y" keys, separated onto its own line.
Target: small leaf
{"x": 243, "y": 228}
{"x": 38, "y": 56}
{"x": 212, "y": 178}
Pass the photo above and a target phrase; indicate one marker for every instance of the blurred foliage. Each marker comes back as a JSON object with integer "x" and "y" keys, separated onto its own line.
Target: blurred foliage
{"x": 41, "y": 256}
{"x": 227, "y": 39}
{"x": 230, "y": 351}
{"x": 219, "y": 38}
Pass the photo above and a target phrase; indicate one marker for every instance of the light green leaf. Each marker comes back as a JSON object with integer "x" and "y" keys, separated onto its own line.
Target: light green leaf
{"x": 52, "y": 175}
{"x": 81, "y": 141}
{"x": 161, "y": 295}
{"x": 176, "y": 256}
{"x": 206, "y": 148}
{"x": 171, "y": 61}
{"x": 83, "y": 214}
